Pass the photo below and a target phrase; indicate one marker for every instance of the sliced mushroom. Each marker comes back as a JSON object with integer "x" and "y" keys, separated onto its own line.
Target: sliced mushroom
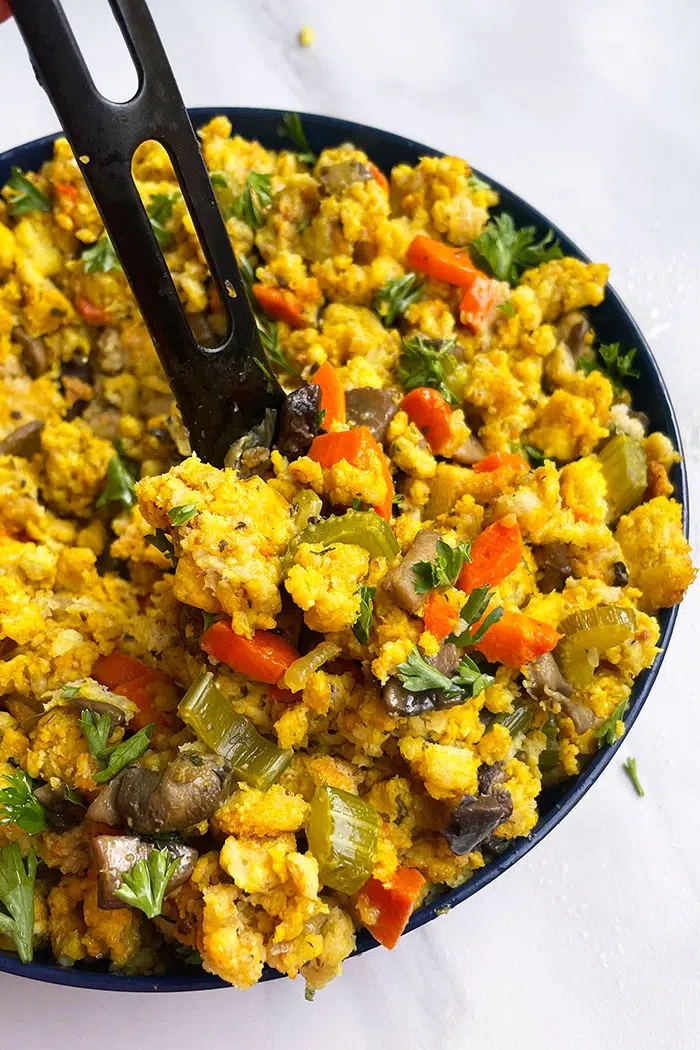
{"x": 620, "y": 574}
{"x": 543, "y": 681}
{"x": 474, "y": 819}
{"x": 251, "y": 454}
{"x": 34, "y": 356}
{"x": 118, "y": 714}
{"x": 489, "y": 776}
{"x": 62, "y": 811}
{"x": 187, "y": 793}
{"x": 299, "y": 420}
{"x": 337, "y": 177}
{"x": 470, "y": 451}
{"x": 400, "y": 583}
{"x": 103, "y": 810}
{"x": 572, "y": 330}
{"x": 24, "y": 441}
{"x": 555, "y": 562}
{"x": 400, "y": 701}
{"x": 368, "y": 407}
{"x": 114, "y": 855}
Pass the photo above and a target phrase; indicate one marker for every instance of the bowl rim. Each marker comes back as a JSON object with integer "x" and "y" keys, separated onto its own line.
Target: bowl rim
{"x": 318, "y": 123}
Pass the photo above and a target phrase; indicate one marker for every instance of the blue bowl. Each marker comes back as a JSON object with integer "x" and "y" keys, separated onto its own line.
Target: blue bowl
{"x": 613, "y": 323}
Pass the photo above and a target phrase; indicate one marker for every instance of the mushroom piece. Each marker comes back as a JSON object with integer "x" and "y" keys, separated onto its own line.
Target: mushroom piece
{"x": 103, "y": 809}
{"x": 400, "y": 701}
{"x": 572, "y": 330}
{"x": 474, "y": 819}
{"x": 368, "y": 407}
{"x": 24, "y": 441}
{"x": 188, "y": 792}
{"x": 470, "y": 451}
{"x": 114, "y": 855}
{"x": 337, "y": 177}
{"x": 489, "y": 776}
{"x": 555, "y": 562}
{"x": 399, "y": 582}
{"x": 299, "y": 420}
{"x": 251, "y": 453}
{"x": 34, "y": 356}
{"x": 543, "y": 681}
{"x": 62, "y": 811}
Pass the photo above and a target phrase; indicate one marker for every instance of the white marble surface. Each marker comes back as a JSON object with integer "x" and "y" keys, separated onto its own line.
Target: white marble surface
{"x": 589, "y": 110}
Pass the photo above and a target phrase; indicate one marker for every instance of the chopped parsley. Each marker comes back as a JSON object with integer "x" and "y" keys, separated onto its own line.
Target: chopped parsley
{"x": 69, "y": 692}
{"x": 161, "y": 207}
{"x": 508, "y": 251}
{"x": 507, "y": 308}
{"x": 17, "y": 898}
{"x": 536, "y": 457}
{"x": 444, "y": 570}
{"x": 269, "y": 337}
{"x": 363, "y": 624}
{"x": 119, "y": 484}
{"x": 19, "y": 806}
{"x": 607, "y": 731}
{"x": 100, "y": 257}
{"x": 615, "y": 365}
{"x": 630, "y": 768}
{"x": 291, "y": 127}
{"x": 112, "y": 758}
{"x": 423, "y": 363}
{"x": 418, "y": 676}
{"x": 96, "y": 730}
{"x": 395, "y": 296}
{"x": 162, "y": 543}
{"x": 472, "y": 612}
{"x": 26, "y": 196}
{"x": 475, "y": 183}
{"x": 254, "y": 200}
{"x": 183, "y": 513}
{"x": 143, "y": 886}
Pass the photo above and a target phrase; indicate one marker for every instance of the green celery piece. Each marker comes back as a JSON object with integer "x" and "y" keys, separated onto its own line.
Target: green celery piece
{"x": 343, "y": 832}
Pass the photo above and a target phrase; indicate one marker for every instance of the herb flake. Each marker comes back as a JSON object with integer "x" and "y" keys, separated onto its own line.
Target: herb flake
{"x": 423, "y": 362}
{"x": 19, "y": 806}
{"x": 100, "y": 257}
{"x": 291, "y": 127}
{"x": 607, "y": 731}
{"x": 17, "y": 898}
{"x": 183, "y": 513}
{"x": 508, "y": 251}
{"x": 630, "y": 768}
{"x": 254, "y": 200}
{"x": 26, "y": 196}
{"x": 119, "y": 484}
{"x": 144, "y": 885}
{"x": 363, "y": 624}
{"x": 395, "y": 296}
{"x": 444, "y": 570}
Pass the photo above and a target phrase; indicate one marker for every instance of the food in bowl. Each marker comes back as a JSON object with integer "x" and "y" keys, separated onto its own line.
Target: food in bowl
{"x": 249, "y": 711}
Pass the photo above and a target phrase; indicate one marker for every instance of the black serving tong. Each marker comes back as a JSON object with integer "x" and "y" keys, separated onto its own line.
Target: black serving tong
{"x": 222, "y": 392}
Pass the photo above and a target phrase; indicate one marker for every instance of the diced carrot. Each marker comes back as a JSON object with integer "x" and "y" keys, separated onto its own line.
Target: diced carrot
{"x": 500, "y": 459}
{"x": 360, "y": 448}
{"x": 130, "y": 678}
{"x": 495, "y": 553}
{"x": 392, "y": 903}
{"x": 441, "y": 261}
{"x": 68, "y": 191}
{"x": 264, "y": 657}
{"x": 516, "y": 640}
{"x": 438, "y": 615}
{"x": 90, "y": 313}
{"x": 432, "y": 415}
{"x": 280, "y": 304}
{"x": 332, "y": 394}
{"x": 477, "y": 302}
{"x": 379, "y": 176}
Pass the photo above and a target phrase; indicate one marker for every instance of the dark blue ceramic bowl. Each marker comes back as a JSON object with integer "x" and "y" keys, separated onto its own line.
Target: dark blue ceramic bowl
{"x": 613, "y": 323}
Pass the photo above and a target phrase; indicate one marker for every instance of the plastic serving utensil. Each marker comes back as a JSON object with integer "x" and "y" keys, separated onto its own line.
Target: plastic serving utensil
{"x": 222, "y": 392}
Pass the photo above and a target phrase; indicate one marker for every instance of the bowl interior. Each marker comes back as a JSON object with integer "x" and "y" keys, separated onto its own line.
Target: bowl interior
{"x": 613, "y": 323}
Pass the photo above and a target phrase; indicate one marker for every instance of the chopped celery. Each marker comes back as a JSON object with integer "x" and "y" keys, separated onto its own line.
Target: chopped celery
{"x": 575, "y": 663}
{"x": 343, "y": 831}
{"x": 297, "y": 674}
{"x": 549, "y": 756}
{"x": 253, "y": 758}
{"x": 308, "y": 506}
{"x": 516, "y": 721}
{"x": 624, "y": 466}
{"x": 362, "y": 527}
{"x": 600, "y": 628}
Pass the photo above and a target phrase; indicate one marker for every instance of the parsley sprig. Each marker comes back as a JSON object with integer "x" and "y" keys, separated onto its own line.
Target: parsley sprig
{"x": 363, "y": 624}
{"x": 443, "y": 570}
{"x": 254, "y": 200}
{"x": 607, "y": 730}
{"x": 508, "y": 251}
{"x": 100, "y": 257}
{"x": 19, "y": 806}
{"x": 112, "y": 757}
{"x": 17, "y": 898}
{"x": 143, "y": 886}
{"x": 476, "y": 605}
{"x": 630, "y": 768}
{"x": 615, "y": 365}
{"x": 395, "y": 296}
{"x": 291, "y": 127}
{"x": 119, "y": 484}
{"x": 183, "y": 513}
{"x": 161, "y": 541}
{"x": 423, "y": 362}
{"x": 267, "y": 329}
{"x": 26, "y": 196}
{"x": 418, "y": 676}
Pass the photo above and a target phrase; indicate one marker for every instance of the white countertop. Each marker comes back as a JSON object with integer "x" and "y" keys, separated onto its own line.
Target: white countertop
{"x": 590, "y": 111}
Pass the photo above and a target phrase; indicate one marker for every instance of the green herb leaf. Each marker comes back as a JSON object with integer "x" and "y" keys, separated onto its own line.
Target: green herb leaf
{"x": 422, "y": 363}
{"x": 163, "y": 236}
{"x": 475, "y": 183}
{"x": 516, "y": 721}
{"x": 69, "y": 692}
{"x": 144, "y": 885}
{"x": 507, "y": 308}
{"x": 607, "y": 731}
{"x": 119, "y": 485}
{"x": 472, "y": 612}
{"x": 508, "y": 251}
{"x": 472, "y": 678}
{"x": 616, "y": 366}
{"x": 269, "y": 337}
{"x": 161, "y": 207}
{"x": 417, "y": 675}
{"x": 291, "y": 127}
{"x": 179, "y": 515}
{"x": 121, "y": 755}
{"x": 208, "y": 619}
{"x": 395, "y": 296}
{"x": 96, "y": 730}
{"x": 19, "y": 806}
{"x": 26, "y": 196}
{"x": 630, "y": 768}
{"x": 397, "y": 502}
{"x": 444, "y": 570}
{"x": 255, "y": 199}
{"x": 100, "y": 257}
{"x": 536, "y": 457}
{"x": 247, "y": 273}
{"x": 160, "y": 541}
{"x": 363, "y": 624}
{"x": 218, "y": 180}
{"x": 17, "y": 897}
